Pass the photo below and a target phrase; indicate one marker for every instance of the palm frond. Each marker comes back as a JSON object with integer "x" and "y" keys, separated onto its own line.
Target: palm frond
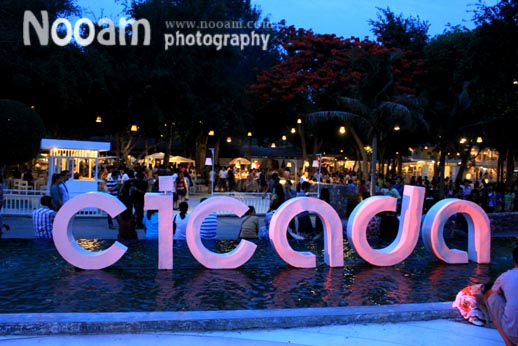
{"x": 328, "y": 115}
{"x": 355, "y": 106}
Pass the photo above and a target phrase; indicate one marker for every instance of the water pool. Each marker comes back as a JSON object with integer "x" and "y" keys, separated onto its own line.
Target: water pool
{"x": 34, "y": 278}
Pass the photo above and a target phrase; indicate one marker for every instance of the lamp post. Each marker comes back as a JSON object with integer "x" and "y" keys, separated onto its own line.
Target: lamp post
{"x": 249, "y": 135}
{"x": 318, "y": 163}
{"x": 210, "y": 161}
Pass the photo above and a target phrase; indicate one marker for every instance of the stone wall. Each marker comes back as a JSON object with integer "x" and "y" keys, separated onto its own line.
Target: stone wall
{"x": 338, "y": 196}
{"x": 503, "y": 222}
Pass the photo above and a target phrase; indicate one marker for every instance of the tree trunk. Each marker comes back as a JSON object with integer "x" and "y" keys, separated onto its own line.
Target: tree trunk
{"x": 362, "y": 152}
{"x": 201, "y": 153}
{"x": 303, "y": 146}
{"x": 463, "y": 165}
{"x": 509, "y": 168}
{"x": 440, "y": 172}
{"x": 373, "y": 162}
{"x": 169, "y": 146}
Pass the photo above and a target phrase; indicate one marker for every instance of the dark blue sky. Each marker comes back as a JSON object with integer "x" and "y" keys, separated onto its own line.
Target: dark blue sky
{"x": 341, "y": 17}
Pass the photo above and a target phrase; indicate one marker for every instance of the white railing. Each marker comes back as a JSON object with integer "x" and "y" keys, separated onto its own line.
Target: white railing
{"x": 21, "y": 202}
{"x": 260, "y": 201}
{"x": 24, "y": 201}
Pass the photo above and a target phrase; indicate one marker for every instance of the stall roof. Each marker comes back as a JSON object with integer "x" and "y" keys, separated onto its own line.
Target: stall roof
{"x": 47, "y": 143}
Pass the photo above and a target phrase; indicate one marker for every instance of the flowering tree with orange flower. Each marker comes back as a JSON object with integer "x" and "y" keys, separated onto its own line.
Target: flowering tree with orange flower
{"x": 319, "y": 74}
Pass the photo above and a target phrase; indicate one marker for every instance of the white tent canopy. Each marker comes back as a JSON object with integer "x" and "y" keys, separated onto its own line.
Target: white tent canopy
{"x": 180, "y": 159}
{"x": 155, "y": 156}
{"x": 172, "y": 159}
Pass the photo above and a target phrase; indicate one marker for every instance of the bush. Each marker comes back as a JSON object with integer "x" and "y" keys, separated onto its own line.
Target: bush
{"x": 20, "y": 134}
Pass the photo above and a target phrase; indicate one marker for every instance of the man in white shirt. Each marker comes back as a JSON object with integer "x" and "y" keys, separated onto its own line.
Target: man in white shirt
{"x": 222, "y": 182}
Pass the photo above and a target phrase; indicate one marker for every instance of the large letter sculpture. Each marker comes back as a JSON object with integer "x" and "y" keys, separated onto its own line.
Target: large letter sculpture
{"x": 231, "y": 260}
{"x": 164, "y": 204}
{"x": 408, "y": 232}
{"x": 479, "y": 232}
{"x": 333, "y": 232}
{"x": 64, "y": 239}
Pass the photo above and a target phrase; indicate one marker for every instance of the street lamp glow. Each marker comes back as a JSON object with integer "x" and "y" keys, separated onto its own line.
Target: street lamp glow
{"x": 249, "y": 134}
{"x": 299, "y": 121}
{"x": 463, "y": 140}
{"x": 397, "y": 128}
{"x": 293, "y": 130}
{"x": 134, "y": 128}
{"x": 211, "y": 133}
{"x": 229, "y": 140}
{"x": 342, "y": 130}
{"x": 213, "y": 176}
{"x": 479, "y": 140}
{"x": 98, "y": 119}
{"x": 283, "y": 137}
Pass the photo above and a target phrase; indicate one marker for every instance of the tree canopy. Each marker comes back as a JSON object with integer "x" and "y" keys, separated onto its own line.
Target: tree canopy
{"x": 22, "y": 131}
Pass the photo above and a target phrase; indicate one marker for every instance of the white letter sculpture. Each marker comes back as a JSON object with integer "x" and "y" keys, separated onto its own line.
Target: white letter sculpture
{"x": 164, "y": 204}
{"x": 408, "y": 232}
{"x": 231, "y": 260}
{"x": 333, "y": 232}
{"x": 64, "y": 239}
{"x": 479, "y": 232}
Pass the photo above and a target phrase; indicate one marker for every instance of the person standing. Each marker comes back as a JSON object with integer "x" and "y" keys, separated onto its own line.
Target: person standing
{"x": 139, "y": 190}
{"x": 113, "y": 185}
{"x": 502, "y": 303}
{"x": 65, "y": 175}
{"x": 182, "y": 187}
{"x": 55, "y": 192}
{"x": 43, "y": 219}
{"x": 277, "y": 189}
{"x": 222, "y": 179}
{"x": 509, "y": 200}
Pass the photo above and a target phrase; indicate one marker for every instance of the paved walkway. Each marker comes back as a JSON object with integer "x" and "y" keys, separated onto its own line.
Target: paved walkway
{"x": 428, "y": 328}
{"x": 425, "y": 333}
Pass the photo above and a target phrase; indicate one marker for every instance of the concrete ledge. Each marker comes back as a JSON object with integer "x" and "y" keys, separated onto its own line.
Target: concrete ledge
{"x": 141, "y": 322}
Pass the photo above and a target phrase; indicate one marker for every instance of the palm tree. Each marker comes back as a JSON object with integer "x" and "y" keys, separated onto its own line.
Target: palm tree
{"x": 378, "y": 120}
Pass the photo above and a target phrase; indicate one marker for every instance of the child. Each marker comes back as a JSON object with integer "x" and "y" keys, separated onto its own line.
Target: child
{"x": 470, "y": 302}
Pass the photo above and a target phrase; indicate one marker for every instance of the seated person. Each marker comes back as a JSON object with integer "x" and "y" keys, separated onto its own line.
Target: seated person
{"x": 180, "y": 222}
{"x": 209, "y": 226}
{"x": 127, "y": 226}
{"x": 502, "y": 303}
{"x": 305, "y": 227}
{"x": 43, "y": 218}
{"x": 249, "y": 225}
{"x": 470, "y": 303}
{"x": 265, "y": 229}
{"x": 151, "y": 224}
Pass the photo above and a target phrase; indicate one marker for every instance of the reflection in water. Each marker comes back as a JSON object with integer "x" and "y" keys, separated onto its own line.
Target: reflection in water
{"x": 211, "y": 289}
{"x": 86, "y": 287}
{"x": 379, "y": 285}
{"x": 35, "y": 278}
